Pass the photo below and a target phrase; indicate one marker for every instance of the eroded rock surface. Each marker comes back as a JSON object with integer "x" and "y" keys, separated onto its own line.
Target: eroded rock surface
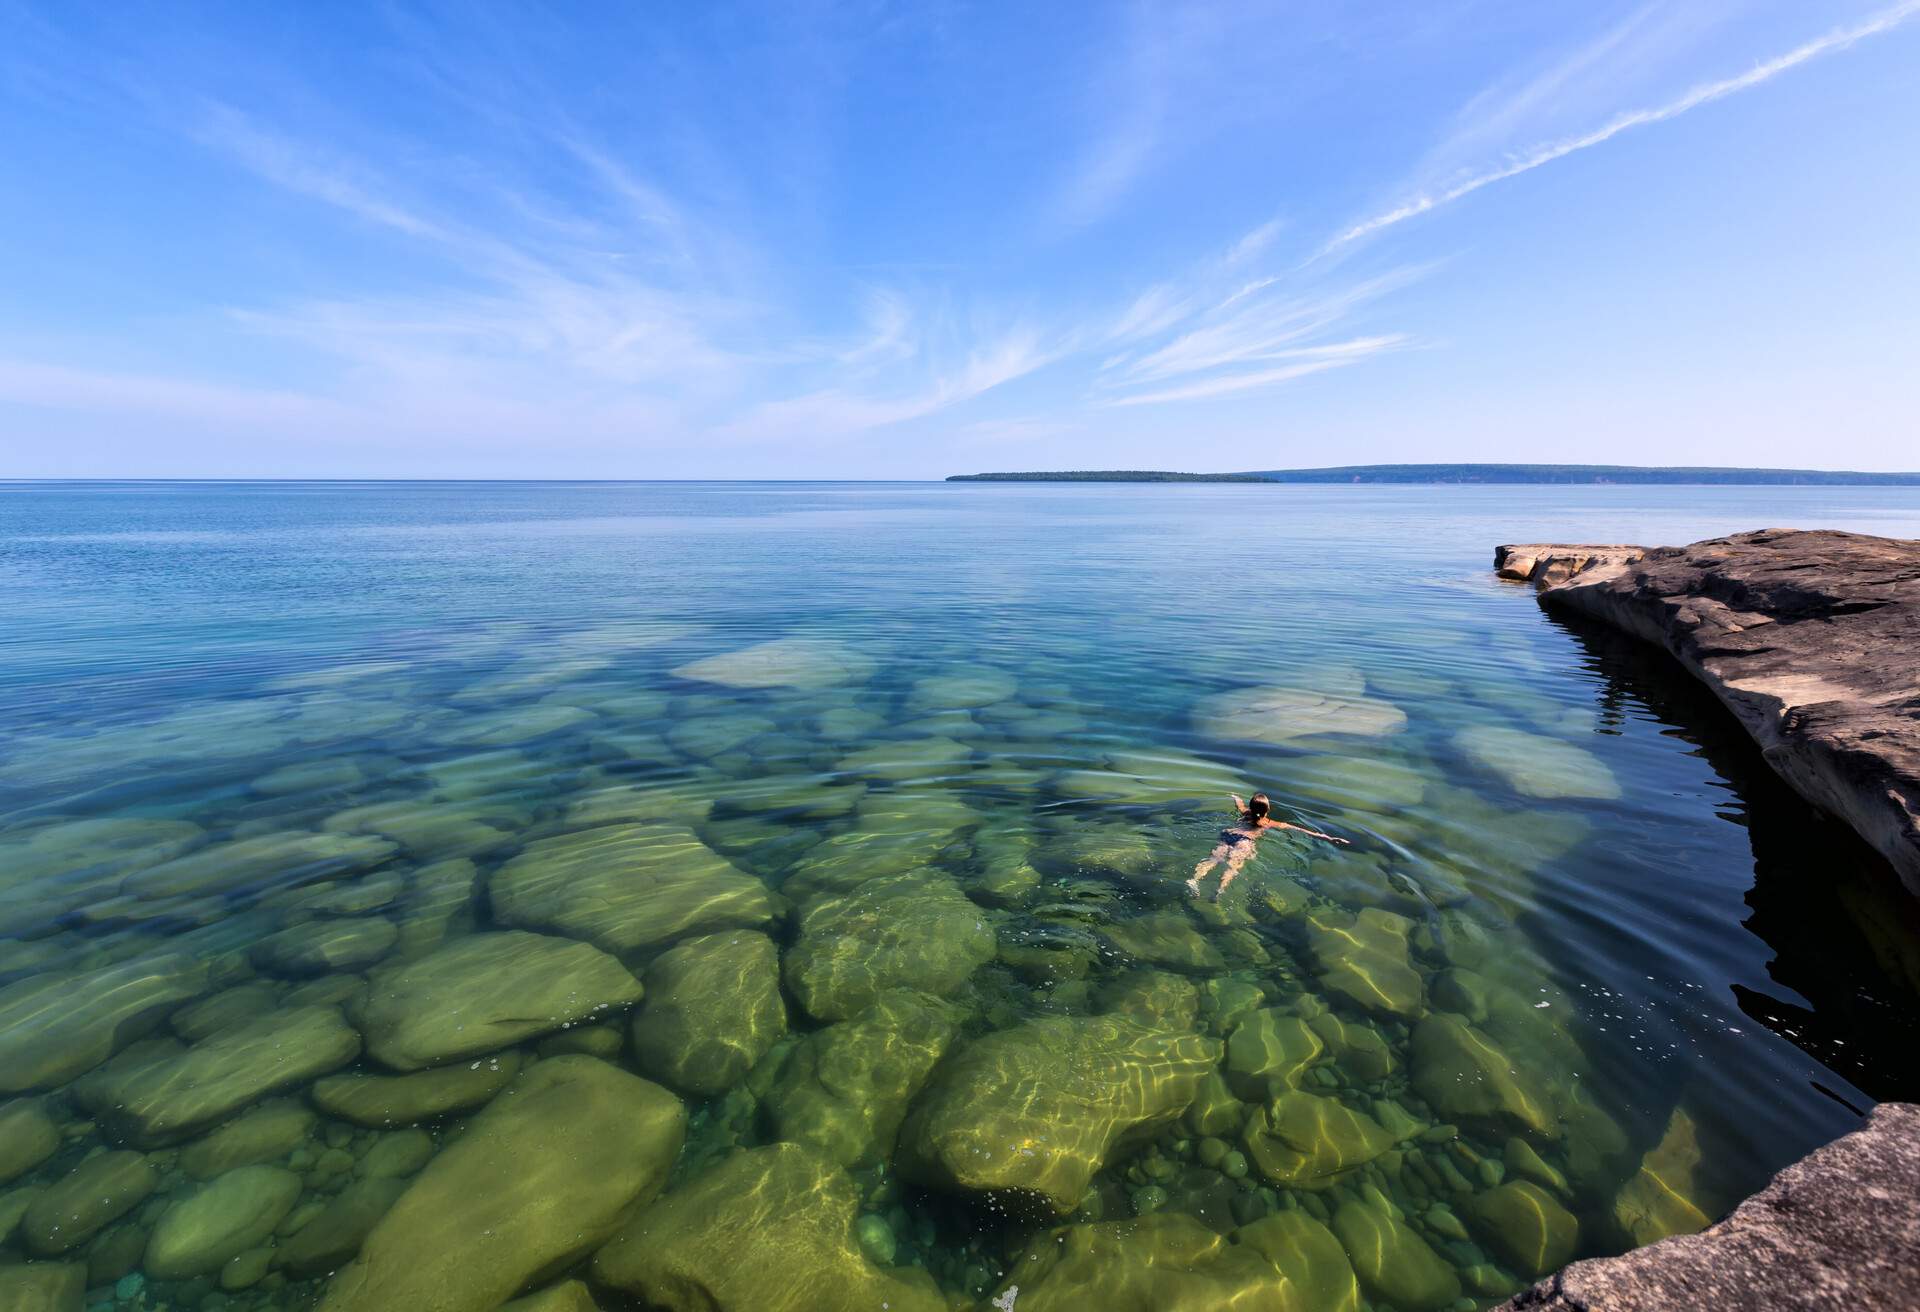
{"x": 1811, "y": 639}
{"x": 1838, "y": 1229}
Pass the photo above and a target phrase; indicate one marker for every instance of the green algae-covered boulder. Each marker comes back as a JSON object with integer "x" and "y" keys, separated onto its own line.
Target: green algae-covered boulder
{"x": 60, "y": 1024}
{"x": 1466, "y": 1077}
{"x": 907, "y": 760}
{"x": 448, "y": 827}
{"x": 43, "y": 1287}
{"x": 685, "y": 803}
{"x": 1162, "y": 1262}
{"x": 165, "y": 1092}
{"x": 332, "y": 1237}
{"x": 1154, "y": 998}
{"x": 1534, "y": 765}
{"x": 1305, "y": 1141}
{"x": 485, "y": 992}
{"x": 521, "y": 724}
{"x": 1395, "y": 1264}
{"x": 622, "y": 887}
{"x": 844, "y": 1089}
{"x": 1040, "y": 1107}
{"x": 384, "y": 1102}
{"x": 1364, "y": 959}
{"x": 82, "y": 1203}
{"x": 1165, "y": 938}
{"x": 1524, "y": 1225}
{"x": 278, "y": 860}
{"x": 569, "y": 1296}
{"x": 1270, "y": 1052}
{"x": 916, "y": 931}
{"x": 959, "y": 692}
{"x": 1309, "y": 1256}
{"x": 28, "y": 1136}
{"x": 1357, "y": 1047}
{"x": 1106, "y": 851}
{"x": 440, "y": 905}
{"x": 1665, "y": 1195}
{"x": 802, "y": 663}
{"x": 266, "y": 1133}
{"x": 321, "y": 947}
{"x": 221, "y": 1219}
{"x": 542, "y": 1177}
{"x": 767, "y": 1230}
{"x": 713, "y": 1009}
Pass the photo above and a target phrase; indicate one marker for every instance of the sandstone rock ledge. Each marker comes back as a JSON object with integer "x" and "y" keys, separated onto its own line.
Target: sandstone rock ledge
{"x": 1812, "y": 639}
{"x": 1836, "y": 1231}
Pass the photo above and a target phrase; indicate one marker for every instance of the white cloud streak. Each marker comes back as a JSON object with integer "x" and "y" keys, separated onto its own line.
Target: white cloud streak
{"x": 1836, "y": 40}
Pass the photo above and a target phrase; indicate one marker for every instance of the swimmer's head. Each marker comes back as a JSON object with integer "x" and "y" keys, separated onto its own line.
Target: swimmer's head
{"x": 1258, "y": 806}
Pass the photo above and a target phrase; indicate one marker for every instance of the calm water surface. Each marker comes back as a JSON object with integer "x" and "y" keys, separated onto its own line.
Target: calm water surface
{"x": 360, "y": 844}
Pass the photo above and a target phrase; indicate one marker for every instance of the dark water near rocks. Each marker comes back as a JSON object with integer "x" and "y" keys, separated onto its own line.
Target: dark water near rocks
{"x": 885, "y": 797}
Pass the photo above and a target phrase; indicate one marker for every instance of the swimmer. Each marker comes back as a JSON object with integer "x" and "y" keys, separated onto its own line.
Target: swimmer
{"x": 1236, "y": 843}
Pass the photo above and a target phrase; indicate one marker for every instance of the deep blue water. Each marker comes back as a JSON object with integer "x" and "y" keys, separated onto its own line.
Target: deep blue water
{"x": 1049, "y": 668}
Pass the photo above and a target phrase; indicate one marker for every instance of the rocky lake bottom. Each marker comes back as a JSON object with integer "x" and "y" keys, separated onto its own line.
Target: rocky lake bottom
{"x": 774, "y": 897}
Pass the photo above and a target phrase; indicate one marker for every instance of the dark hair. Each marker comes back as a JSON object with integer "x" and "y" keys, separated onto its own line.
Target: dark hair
{"x": 1258, "y": 806}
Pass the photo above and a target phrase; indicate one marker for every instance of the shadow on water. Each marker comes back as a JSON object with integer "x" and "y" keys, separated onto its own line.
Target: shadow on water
{"x": 1843, "y": 983}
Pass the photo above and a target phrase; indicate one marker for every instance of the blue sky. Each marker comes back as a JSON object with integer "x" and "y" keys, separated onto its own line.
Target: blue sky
{"x": 874, "y": 240}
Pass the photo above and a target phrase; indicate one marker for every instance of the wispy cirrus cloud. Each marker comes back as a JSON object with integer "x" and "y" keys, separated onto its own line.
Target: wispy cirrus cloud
{"x": 1705, "y": 93}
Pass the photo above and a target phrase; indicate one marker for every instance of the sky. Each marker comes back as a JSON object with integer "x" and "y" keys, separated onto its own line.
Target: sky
{"x": 874, "y": 240}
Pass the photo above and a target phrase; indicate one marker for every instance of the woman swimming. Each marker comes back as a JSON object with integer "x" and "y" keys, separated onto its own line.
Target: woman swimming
{"x": 1236, "y": 843}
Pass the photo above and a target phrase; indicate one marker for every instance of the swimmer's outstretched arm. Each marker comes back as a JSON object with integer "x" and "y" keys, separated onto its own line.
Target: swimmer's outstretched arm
{"x": 1310, "y": 833}
{"x": 1239, "y": 807}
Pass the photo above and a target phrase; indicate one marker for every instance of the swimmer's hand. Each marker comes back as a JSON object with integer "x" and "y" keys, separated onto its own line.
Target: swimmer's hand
{"x": 1315, "y": 833}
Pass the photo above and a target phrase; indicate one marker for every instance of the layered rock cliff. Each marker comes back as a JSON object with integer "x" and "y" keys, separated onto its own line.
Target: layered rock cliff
{"x": 1811, "y": 639}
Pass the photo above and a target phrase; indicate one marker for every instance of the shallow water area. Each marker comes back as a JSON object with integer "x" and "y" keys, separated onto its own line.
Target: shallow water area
{"x": 609, "y": 891}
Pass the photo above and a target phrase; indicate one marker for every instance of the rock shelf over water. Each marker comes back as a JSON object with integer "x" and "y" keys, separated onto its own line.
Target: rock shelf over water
{"x": 1811, "y": 639}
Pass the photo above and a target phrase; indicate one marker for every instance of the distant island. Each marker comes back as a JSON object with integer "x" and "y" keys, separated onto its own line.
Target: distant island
{"x": 1677, "y": 474}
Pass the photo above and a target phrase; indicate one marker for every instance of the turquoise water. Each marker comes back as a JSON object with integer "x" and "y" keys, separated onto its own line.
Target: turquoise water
{"x": 364, "y": 847}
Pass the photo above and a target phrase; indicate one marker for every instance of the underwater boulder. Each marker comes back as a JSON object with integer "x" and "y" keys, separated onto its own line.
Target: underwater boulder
{"x": 162, "y": 1091}
{"x": 803, "y": 663}
{"x": 1523, "y": 1224}
{"x": 844, "y": 1089}
{"x": 1394, "y": 1263}
{"x": 1270, "y": 1052}
{"x": 87, "y": 1199}
{"x": 542, "y": 1177}
{"x": 712, "y": 1010}
{"x": 1295, "y": 716}
{"x": 915, "y": 931}
{"x": 277, "y": 860}
{"x": 485, "y": 992}
{"x": 321, "y": 947}
{"x": 766, "y": 1230}
{"x": 1466, "y": 1077}
{"x": 1162, "y": 1262}
{"x": 1309, "y": 1255}
{"x": 28, "y": 1136}
{"x": 223, "y": 1218}
{"x": 1165, "y": 938}
{"x": 384, "y": 1102}
{"x": 1040, "y": 1107}
{"x": 622, "y": 887}
{"x": 265, "y": 1133}
{"x": 1534, "y": 765}
{"x": 1664, "y": 1195}
{"x": 1364, "y": 959}
{"x": 1306, "y": 1141}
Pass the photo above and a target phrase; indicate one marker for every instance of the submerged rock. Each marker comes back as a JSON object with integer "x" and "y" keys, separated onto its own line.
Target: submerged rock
{"x": 486, "y": 992}
{"x": 623, "y": 887}
{"x": 1040, "y": 1107}
{"x": 1664, "y": 1196}
{"x": 1837, "y": 1229}
{"x": 1524, "y": 1225}
{"x": 1364, "y": 959}
{"x": 1305, "y": 1141}
{"x": 384, "y": 1102}
{"x": 914, "y": 931}
{"x": 58, "y": 1025}
{"x": 543, "y": 1176}
{"x": 572, "y": 1296}
{"x": 845, "y": 1089}
{"x": 220, "y": 1220}
{"x": 1270, "y": 1052}
{"x": 959, "y": 692}
{"x": 1537, "y": 766}
{"x": 1285, "y": 716}
{"x": 322, "y": 947}
{"x": 804, "y": 663}
{"x": 165, "y": 1092}
{"x": 767, "y": 1230}
{"x": 279, "y": 860}
{"x": 43, "y": 1287}
{"x": 1165, "y": 1262}
{"x": 1165, "y": 938}
{"x": 909, "y": 760}
{"x": 75, "y": 1208}
{"x": 1466, "y": 1077}
{"x": 712, "y": 1010}
{"x": 1309, "y": 1255}
{"x": 267, "y": 1133}
{"x": 28, "y": 1137}
{"x": 332, "y": 1237}
{"x": 1393, "y": 1262}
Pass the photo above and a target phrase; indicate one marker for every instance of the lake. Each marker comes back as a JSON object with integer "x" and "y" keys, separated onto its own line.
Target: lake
{"x": 479, "y": 877}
